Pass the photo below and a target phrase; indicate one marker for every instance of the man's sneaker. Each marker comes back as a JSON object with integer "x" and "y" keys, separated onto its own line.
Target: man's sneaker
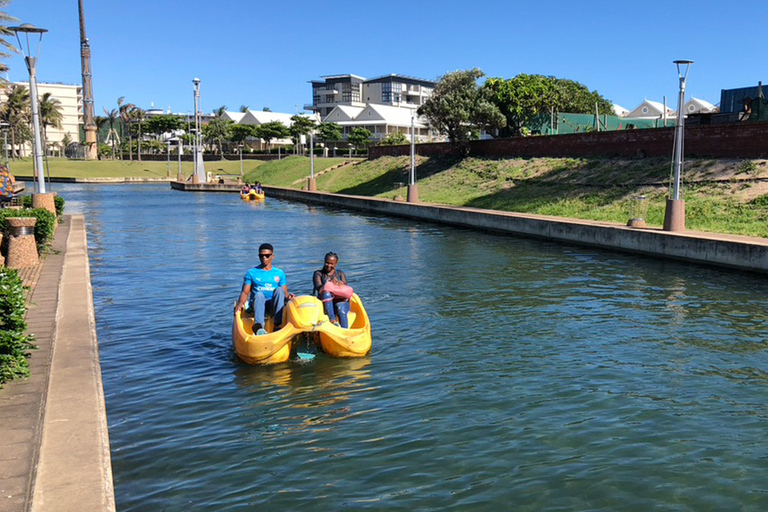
{"x": 261, "y": 332}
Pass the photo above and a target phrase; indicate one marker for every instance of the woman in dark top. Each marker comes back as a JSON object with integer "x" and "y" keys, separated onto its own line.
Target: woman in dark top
{"x": 334, "y": 306}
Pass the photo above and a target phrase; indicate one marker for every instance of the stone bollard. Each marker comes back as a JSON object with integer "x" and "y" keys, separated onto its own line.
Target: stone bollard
{"x": 22, "y": 248}
{"x": 44, "y": 201}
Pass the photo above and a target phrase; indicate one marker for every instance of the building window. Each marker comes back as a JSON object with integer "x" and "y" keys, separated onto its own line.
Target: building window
{"x": 346, "y": 92}
{"x": 329, "y": 98}
{"x": 356, "y": 92}
{"x": 386, "y": 92}
{"x": 315, "y": 99}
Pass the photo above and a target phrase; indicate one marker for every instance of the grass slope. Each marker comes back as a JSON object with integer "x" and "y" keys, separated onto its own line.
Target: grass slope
{"x": 285, "y": 172}
{"x": 721, "y": 196}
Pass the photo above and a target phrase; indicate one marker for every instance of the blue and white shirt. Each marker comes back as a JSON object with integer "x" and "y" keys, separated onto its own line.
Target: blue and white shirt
{"x": 265, "y": 281}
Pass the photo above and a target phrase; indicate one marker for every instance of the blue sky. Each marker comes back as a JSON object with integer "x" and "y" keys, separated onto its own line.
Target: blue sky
{"x": 262, "y": 54}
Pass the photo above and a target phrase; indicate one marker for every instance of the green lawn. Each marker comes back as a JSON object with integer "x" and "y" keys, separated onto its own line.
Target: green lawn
{"x": 288, "y": 171}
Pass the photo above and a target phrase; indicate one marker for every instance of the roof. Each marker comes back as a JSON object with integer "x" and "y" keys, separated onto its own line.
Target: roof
{"x": 235, "y": 117}
{"x": 619, "y": 110}
{"x": 375, "y": 114}
{"x": 261, "y": 117}
{"x": 696, "y": 105}
{"x": 402, "y": 78}
{"x": 649, "y": 109}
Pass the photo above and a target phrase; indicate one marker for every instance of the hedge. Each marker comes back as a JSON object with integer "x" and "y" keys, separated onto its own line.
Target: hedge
{"x": 44, "y": 228}
{"x": 14, "y": 343}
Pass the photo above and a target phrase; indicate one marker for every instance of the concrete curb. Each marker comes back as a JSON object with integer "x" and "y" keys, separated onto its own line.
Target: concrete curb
{"x": 730, "y": 251}
{"x": 74, "y": 468}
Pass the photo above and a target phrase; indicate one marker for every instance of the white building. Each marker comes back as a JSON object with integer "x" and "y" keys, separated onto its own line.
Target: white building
{"x": 382, "y": 120}
{"x": 70, "y": 98}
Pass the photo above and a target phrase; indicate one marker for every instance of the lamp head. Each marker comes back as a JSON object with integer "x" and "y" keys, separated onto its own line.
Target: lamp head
{"x": 28, "y": 28}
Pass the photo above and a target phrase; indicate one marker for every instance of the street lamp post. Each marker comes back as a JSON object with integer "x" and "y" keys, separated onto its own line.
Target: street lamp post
{"x": 312, "y": 184}
{"x": 240, "y": 150}
{"x": 200, "y": 176}
{"x": 5, "y": 126}
{"x": 180, "y": 176}
{"x": 31, "y": 61}
{"x": 413, "y": 189}
{"x": 674, "y": 216}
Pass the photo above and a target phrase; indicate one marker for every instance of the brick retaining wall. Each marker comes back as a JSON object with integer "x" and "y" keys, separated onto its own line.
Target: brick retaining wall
{"x": 745, "y": 140}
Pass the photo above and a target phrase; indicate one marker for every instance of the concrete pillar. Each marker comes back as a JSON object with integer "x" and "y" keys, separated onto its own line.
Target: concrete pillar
{"x": 311, "y": 185}
{"x": 44, "y": 201}
{"x": 22, "y": 249}
{"x": 674, "y": 216}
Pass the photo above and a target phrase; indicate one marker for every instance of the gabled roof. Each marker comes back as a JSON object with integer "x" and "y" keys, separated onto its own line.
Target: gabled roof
{"x": 697, "y": 106}
{"x": 261, "y": 117}
{"x": 619, "y": 110}
{"x": 235, "y": 117}
{"x": 649, "y": 110}
{"x": 375, "y": 114}
{"x": 342, "y": 113}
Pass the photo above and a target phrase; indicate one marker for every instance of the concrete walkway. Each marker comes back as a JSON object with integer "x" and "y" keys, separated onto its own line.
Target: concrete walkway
{"x": 54, "y": 447}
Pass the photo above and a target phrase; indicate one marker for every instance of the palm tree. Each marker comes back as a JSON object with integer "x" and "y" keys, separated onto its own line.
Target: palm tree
{"x": 220, "y": 111}
{"x": 112, "y": 116}
{"x": 138, "y": 115}
{"x": 6, "y": 48}
{"x": 15, "y": 112}
{"x": 125, "y": 110}
{"x": 100, "y": 122}
{"x": 217, "y": 131}
{"x": 50, "y": 115}
{"x": 243, "y": 108}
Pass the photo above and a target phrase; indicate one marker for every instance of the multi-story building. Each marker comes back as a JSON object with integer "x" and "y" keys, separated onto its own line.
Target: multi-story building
{"x": 356, "y": 91}
{"x": 70, "y": 99}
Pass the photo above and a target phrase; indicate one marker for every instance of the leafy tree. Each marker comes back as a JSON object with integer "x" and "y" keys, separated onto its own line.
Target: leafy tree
{"x": 243, "y": 108}
{"x": 217, "y": 132}
{"x": 360, "y": 137}
{"x": 526, "y": 99}
{"x": 220, "y": 111}
{"x": 458, "y": 106}
{"x": 300, "y": 125}
{"x": 271, "y": 130}
{"x": 6, "y": 48}
{"x": 158, "y": 125}
{"x": 327, "y": 132}
{"x": 50, "y": 115}
{"x": 16, "y": 112}
{"x": 238, "y": 133}
{"x": 394, "y": 139}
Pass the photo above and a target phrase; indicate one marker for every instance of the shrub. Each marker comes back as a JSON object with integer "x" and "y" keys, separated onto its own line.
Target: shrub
{"x": 58, "y": 202}
{"x": 14, "y": 344}
{"x": 44, "y": 228}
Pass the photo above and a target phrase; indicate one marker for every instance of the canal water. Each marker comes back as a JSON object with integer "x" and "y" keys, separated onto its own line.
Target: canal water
{"x": 506, "y": 374}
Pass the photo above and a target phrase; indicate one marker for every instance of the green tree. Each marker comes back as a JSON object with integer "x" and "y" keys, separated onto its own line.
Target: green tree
{"x": 300, "y": 125}
{"x": 158, "y": 125}
{"x": 50, "y": 115}
{"x": 272, "y": 130}
{"x": 458, "y": 106}
{"x": 394, "y": 139}
{"x": 15, "y": 111}
{"x": 243, "y": 108}
{"x": 217, "y": 132}
{"x": 6, "y": 49}
{"x": 112, "y": 116}
{"x": 328, "y": 132}
{"x": 360, "y": 137}
{"x": 527, "y": 100}
{"x": 220, "y": 111}
{"x": 240, "y": 132}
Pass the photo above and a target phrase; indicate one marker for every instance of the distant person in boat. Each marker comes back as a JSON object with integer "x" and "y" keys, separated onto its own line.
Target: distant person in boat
{"x": 330, "y": 286}
{"x": 265, "y": 289}
{"x": 257, "y": 188}
{"x": 246, "y": 188}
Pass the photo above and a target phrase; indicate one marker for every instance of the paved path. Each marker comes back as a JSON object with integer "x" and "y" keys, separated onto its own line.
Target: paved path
{"x": 54, "y": 448}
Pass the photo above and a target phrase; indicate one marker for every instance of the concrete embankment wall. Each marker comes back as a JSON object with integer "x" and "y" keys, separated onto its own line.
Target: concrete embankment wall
{"x": 738, "y": 140}
{"x": 744, "y": 253}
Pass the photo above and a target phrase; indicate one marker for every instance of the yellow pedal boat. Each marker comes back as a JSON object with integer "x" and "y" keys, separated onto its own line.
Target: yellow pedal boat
{"x": 252, "y": 196}
{"x": 303, "y": 313}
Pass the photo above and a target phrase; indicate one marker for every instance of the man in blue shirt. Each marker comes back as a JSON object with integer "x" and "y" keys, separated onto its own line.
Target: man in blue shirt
{"x": 264, "y": 287}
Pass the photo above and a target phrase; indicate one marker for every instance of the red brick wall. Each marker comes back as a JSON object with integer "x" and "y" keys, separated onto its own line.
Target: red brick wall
{"x": 745, "y": 140}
